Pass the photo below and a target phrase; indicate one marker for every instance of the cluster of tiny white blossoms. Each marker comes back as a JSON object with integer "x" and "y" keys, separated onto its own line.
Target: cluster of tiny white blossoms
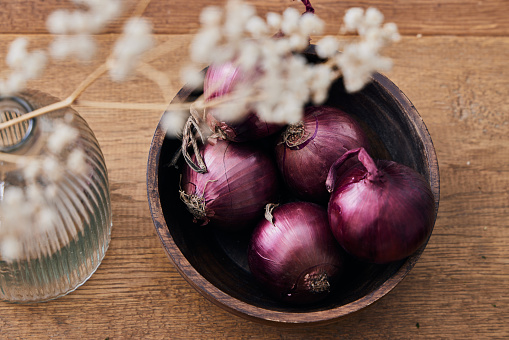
{"x": 73, "y": 30}
{"x": 30, "y": 207}
{"x": 30, "y": 210}
{"x": 359, "y": 60}
{"x": 271, "y": 48}
{"x": 24, "y": 65}
{"x": 136, "y": 39}
{"x": 284, "y": 80}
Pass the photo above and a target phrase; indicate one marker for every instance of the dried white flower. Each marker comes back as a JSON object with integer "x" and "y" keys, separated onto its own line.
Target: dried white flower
{"x": 47, "y": 218}
{"x": 14, "y": 196}
{"x": 327, "y": 47}
{"x": 10, "y": 248}
{"x": 24, "y": 66}
{"x": 192, "y": 76}
{"x": 173, "y": 122}
{"x": 89, "y": 21}
{"x": 82, "y": 46}
{"x": 354, "y": 17}
{"x": 31, "y": 168}
{"x": 249, "y": 55}
{"x": 62, "y": 136}
{"x": 204, "y": 43}
{"x": 298, "y": 42}
{"x": 52, "y": 168}
{"x": 17, "y": 53}
{"x": 256, "y": 26}
{"x": 373, "y": 17}
{"x": 274, "y": 20}
{"x": 237, "y": 14}
{"x": 286, "y": 82}
{"x": 310, "y": 24}
{"x": 290, "y": 21}
{"x": 76, "y": 162}
{"x": 358, "y": 62}
{"x": 136, "y": 40}
{"x": 211, "y": 16}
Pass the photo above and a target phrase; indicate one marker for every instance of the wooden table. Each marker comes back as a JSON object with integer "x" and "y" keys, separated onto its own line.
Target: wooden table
{"x": 452, "y": 63}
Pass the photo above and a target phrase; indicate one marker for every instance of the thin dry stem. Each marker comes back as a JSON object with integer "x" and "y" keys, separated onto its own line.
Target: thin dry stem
{"x": 88, "y": 81}
{"x": 159, "y": 51}
{"x": 124, "y": 106}
{"x": 61, "y": 104}
{"x": 10, "y": 158}
{"x": 158, "y": 77}
{"x": 36, "y": 113}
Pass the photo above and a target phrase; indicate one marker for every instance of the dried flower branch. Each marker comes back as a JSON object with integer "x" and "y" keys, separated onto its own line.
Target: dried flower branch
{"x": 271, "y": 49}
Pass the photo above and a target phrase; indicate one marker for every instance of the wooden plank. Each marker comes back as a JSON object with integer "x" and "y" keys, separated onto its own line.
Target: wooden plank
{"x": 448, "y": 17}
{"x": 458, "y": 288}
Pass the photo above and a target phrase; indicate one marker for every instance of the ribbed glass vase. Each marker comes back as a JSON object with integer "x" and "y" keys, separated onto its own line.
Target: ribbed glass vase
{"x": 53, "y": 254}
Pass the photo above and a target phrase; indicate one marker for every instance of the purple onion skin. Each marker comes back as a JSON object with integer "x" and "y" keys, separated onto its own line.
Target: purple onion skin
{"x": 221, "y": 80}
{"x": 329, "y": 133}
{"x": 240, "y": 181}
{"x": 380, "y": 212}
{"x": 286, "y": 256}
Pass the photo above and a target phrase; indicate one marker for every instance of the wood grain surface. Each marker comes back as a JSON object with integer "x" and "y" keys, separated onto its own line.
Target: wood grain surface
{"x": 456, "y": 76}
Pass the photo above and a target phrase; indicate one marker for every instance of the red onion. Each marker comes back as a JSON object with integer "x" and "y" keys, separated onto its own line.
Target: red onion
{"x": 295, "y": 257}
{"x": 221, "y": 80}
{"x": 308, "y": 149}
{"x": 239, "y": 182}
{"x": 379, "y": 212}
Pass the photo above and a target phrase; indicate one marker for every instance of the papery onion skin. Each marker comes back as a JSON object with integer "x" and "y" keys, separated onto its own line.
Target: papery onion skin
{"x": 221, "y": 80}
{"x": 239, "y": 182}
{"x": 296, "y": 258}
{"x": 379, "y": 211}
{"x": 328, "y": 133}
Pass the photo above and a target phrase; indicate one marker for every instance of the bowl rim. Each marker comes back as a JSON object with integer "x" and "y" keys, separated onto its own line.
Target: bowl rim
{"x": 251, "y": 312}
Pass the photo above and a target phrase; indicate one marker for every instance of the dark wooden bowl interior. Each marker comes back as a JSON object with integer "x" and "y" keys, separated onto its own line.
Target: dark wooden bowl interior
{"x": 215, "y": 263}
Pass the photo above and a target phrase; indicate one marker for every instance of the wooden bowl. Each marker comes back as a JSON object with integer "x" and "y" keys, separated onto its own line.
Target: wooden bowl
{"x": 215, "y": 263}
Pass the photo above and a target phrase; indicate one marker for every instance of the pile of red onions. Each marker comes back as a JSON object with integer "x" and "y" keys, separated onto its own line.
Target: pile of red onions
{"x": 239, "y": 182}
{"x": 306, "y": 150}
{"x": 378, "y": 211}
{"x": 221, "y": 80}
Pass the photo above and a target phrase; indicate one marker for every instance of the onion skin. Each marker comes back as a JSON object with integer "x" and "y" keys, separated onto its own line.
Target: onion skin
{"x": 296, "y": 258}
{"x": 239, "y": 182}
{"x": 379, "y": 212}
{"x": 328, "y": 134}
{"x": 221, "y": 80}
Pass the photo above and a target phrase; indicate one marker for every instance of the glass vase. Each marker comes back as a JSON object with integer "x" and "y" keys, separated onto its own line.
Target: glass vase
{"x": 53, "y": 233}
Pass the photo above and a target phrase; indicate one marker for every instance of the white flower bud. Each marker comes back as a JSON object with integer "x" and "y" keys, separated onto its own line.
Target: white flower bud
{"x": 256, "y": 26}
{"x": 327, "y": 47}
{"x": 57, "y": 22}
{"x": 173, "y": 122}
{"x": 290, "y": 22}
{"x": 211, "y": 16}
{"x": 17, "y": 53}
{"x": 76, "y": 162}
{"x": 192, "y": 76}
{"x": 311, "y": 24}
{"x": 10, "y": 248}
{"x": 62, "y": 136}
{"x": 353, "y": 18}
{"x": 373, "y": 17}
{"x": 273, "y": 20}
